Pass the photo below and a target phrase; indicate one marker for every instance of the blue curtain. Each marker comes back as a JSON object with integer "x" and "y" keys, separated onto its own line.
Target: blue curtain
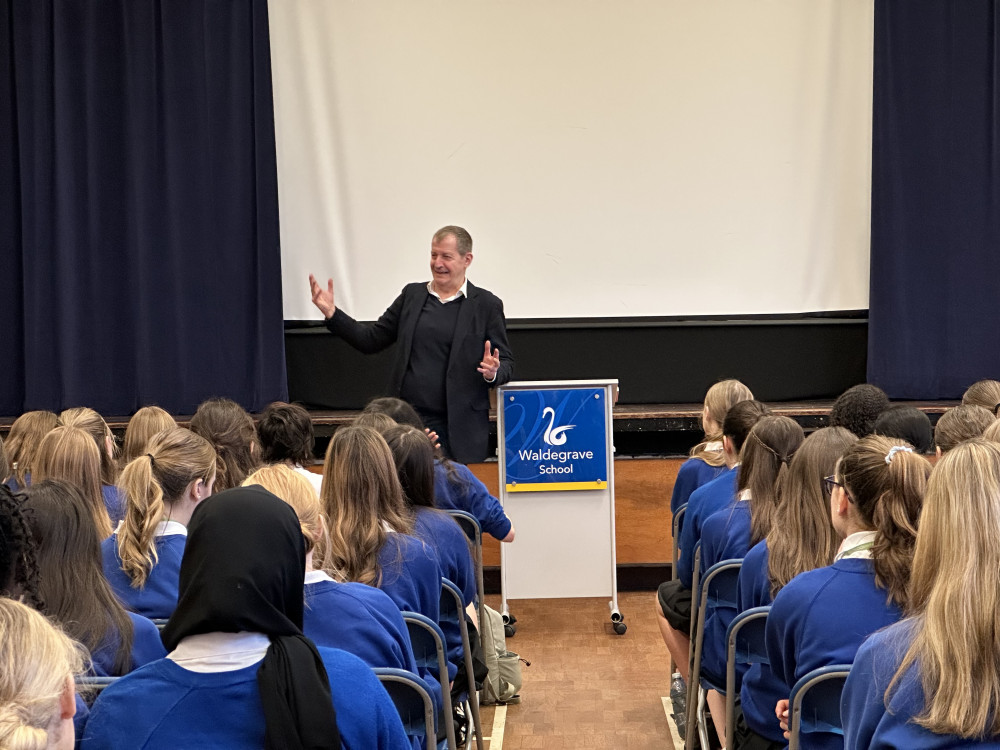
{"x": 935, "y": 244}
{"x": 138, "y": 205}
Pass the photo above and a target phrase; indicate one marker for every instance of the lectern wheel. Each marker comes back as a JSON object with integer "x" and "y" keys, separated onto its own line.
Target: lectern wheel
{"x": 509, "y": 630}
{"x": 620, "y": 628}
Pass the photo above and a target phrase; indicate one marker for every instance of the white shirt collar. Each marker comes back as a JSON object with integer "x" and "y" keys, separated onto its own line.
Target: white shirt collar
{"x": 743, "y": 496}
{"x": 849, "y": 548}
{"x": 317, "y": 576}
{"x": 462, "y": 292}
{"x": 170, "y": 528}
{"x": 220, "y": 652}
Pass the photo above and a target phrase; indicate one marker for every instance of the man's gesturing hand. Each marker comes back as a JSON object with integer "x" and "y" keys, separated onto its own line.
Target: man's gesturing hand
{"x": 490, "y": 364}
{"x": 322, "y": 298}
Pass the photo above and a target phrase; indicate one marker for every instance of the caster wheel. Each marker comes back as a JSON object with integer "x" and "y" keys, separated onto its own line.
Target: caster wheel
{"x": 509, "y": 630}
{"x": 620, "y": 628}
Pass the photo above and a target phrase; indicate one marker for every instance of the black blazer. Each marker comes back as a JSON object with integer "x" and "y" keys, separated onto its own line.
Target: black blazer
{"x": 480, "y": 319}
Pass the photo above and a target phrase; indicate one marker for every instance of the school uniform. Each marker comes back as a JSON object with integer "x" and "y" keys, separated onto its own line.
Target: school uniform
{"x": 80, "y": 719}
{"x": 470, "y": 495}
{"x": 157, "y": 598}
{"x": 708, "y": 499}
{"x": 146, "y": 647}
{"x": 867, "y": 722}
{"x": 694, "y": 473}
{"x": 168, "y": 705}
{"x": 822, "y": 617}
{"x": 725, "y": 536}
{"x": 114, "y": 501}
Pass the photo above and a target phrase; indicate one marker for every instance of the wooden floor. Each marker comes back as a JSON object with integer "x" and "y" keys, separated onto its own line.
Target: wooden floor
{"x": 586, "y": 687}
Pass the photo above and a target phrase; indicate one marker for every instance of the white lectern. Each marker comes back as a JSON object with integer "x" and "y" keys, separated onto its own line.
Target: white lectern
{"x": 557, "y": 486}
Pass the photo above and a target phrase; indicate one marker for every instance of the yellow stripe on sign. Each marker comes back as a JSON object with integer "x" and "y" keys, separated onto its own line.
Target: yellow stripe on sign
{"x": 554, "y": 486}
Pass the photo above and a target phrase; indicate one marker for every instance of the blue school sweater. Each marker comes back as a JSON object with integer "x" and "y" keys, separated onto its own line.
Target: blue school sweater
{"x": 867, "y": 723}
{"x": 693, "y": 473}
{"x": 725, "y": 536}
{"x": 146, "y": 647}
{"x": 710, "y": 498}
{"x": 471, "y": 496}
{"x": 80, "y": 719}
{"x": 164, "y": 706}
{"x": 157, "y": 599}
{"x": 114, "y": 501}
{"x": 821, "y": 618}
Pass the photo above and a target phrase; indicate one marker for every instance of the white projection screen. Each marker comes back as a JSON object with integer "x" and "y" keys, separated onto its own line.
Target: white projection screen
{"x": 610, "y": 157}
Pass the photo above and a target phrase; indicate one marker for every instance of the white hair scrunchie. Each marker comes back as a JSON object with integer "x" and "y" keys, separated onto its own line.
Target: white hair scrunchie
{"x": 897, "y": 449}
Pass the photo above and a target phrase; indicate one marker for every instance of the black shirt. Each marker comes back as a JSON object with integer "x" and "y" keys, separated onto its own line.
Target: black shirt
{"x": 424, "y": 381}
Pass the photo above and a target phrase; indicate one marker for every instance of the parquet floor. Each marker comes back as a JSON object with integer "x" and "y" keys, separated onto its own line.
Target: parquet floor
{"x": 586, "y": 687}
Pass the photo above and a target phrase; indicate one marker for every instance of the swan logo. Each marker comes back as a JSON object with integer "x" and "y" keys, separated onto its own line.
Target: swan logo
{"x": 557, "y": 435}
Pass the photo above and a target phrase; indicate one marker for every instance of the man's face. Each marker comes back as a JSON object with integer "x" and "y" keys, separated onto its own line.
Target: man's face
{"x": 447, "y": 266}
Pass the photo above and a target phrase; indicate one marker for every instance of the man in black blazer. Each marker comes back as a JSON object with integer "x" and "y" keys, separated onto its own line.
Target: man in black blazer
{"x": 452, "y": 349}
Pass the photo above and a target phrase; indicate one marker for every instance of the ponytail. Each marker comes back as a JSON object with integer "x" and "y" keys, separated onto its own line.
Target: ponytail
{"x": 764, "y": 464}
{"x": 720, "y": 398}
{"x": 144, "y": 507}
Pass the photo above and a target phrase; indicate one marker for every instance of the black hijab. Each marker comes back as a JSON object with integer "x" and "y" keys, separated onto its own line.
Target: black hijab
{"x": 243, "y": 570}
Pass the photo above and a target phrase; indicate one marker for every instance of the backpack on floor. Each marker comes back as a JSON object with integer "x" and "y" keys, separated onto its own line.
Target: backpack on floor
{"x": 503, "y": 678}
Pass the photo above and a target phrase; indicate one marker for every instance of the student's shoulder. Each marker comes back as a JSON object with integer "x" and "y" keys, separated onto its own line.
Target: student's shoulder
{"x": 805, "y": 587}
{"x": 756, "y": 557}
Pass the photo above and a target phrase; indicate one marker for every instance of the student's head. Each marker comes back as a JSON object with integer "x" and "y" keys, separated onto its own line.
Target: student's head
{"x": 18, "y": 560}
{"x": 985, "y": 393}
{"x": 718, "y": 401}
{"x": 740, "y": 419}
{"x": 413, "y": 455}
{"x": 230, "y": 430}
{"x": 142, "y": 427}
{"x": 176, "y": 472}
{"x": 766, "y": 454}
{"x": 70, "y": 454}
{"x": 880, "y": 487}
{"x": 361, "y": 495}
{"x": 243, "y": 571}
{"x": 71, "y": 581}
{"x": 283, "y": 482}
{"x": 955, "y": 597}
{"x": 286, "y": 434}
{"x": 802, "y": 537}
{"x": 397, "y": 409}
{"x": 959, "y": 424}
{"x": 906, "y": 423}
{"x": 378, "y": 421}
{"x": 22, "y": 442}
{"x": 858, "y": 407}
{"x": 38, "y": 664}
{"x": 94, "y": 425}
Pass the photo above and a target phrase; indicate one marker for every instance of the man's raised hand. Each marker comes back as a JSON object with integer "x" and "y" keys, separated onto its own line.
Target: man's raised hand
{"x": 490, "y": 364}
{"x": 322, "y": 298}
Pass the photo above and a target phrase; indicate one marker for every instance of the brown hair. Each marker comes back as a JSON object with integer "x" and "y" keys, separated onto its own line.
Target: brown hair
{"x": 413, "y": 455}
{"x": 70, "y": 454}
{"x": 377, "y": 420}
{"x": 361, "y": 494}
{"x": 72, "y": 586}
{"x": 4, "y": 464}
{"x": 463, "y": 240}
{"x": 230, "y": 430}
{"x": 720, "y": 398}
{"x": 887, "y": 488}
{"x": 763, "y": 462}
{"x": 740, "y": 419}
{"x": 286, "y": 483}
{"x": 985, "y": 393}
{"x": 286, "y": 433}
{"x": 804, "y": 538}
{"x": 94, "y": 425}
{"x": 146, "y": 423}
{"x": 961, "y": 423}
{"x": 152, "y": 482}
{"x": 22, "y": 441}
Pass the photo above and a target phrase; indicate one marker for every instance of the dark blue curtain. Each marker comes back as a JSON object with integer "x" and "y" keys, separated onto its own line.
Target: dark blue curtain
{"x": 935, "y": 255}
{"x": 139, "y": 251}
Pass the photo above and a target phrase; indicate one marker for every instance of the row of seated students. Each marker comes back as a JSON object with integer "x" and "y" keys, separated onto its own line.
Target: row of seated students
{"x": 198, "y": 539}
{"x": 865, "y": 553}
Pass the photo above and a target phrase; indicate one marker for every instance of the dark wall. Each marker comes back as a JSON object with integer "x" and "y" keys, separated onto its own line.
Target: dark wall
{"x": 655, "y": 361}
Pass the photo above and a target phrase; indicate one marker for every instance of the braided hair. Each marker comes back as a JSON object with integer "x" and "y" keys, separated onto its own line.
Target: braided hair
{"x": 18, "y": 562}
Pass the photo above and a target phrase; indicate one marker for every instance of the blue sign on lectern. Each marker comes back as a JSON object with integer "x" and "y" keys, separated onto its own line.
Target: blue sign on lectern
{"x": 556, "y": 439}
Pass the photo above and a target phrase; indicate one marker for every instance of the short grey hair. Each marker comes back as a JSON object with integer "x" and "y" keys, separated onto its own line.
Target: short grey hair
{"x": 463, "y": 239}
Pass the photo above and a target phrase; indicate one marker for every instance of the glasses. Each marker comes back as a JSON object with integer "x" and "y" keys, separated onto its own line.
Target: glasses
{"x": 830, "y": 482}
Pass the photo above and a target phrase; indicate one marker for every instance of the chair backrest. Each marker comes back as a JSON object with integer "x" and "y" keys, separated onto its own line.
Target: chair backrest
{"x": 160, "y": 623}
{"x": 744, "y": 645}
{"x": 90, "y": 686}
{"x": 470, "y": 525}
{"x": 814, "y": 704}
{"x": 412, "y": 699}
{"x": 429, "y": 651}
{"x": 675, "y": 530}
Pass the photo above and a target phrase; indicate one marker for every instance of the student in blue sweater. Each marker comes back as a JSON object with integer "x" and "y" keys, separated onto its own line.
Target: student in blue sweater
{"x": 94, "y": 425}
{"x": 673, "y": 598}
{"x": 708, "y": 459}
{"x": 162, "y": 487}
{"x": 239, "y": 673}
{"x": 71, "y": 585}
{"x": 801, "y": 538}
{"x": 822, "y": 616}
{"x": 932, "y": 680}
{"x": 729, "y": 534}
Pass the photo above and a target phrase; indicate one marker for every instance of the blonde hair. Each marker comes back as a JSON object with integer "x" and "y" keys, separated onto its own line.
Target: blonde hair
{"x": 152, "y": 481}
{"x": 887, "y": 490}
{"x": 36, "y": 661}
{"x": 764, "y": 460}
{"x": 992, "y": 432}
{"x": 955, "y": 598}
{"x": 284, "y": 482}
{"x": 70, "y": 454}
{"x": 361, "y": 494}
{"x": 720, "y": 398}
{"x": 985, "y": 393}
{"x": 22, "y": 441}
{"x": 4, "y": 464}
{"x": 146, "y": 423}
{"x": 804, "y": 538}
{"x": 961, "y": 423}
{"x": 94, "y": 425}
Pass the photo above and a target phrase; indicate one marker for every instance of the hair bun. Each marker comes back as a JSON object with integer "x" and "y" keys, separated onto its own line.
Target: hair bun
{"x": 16, "y": 733}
